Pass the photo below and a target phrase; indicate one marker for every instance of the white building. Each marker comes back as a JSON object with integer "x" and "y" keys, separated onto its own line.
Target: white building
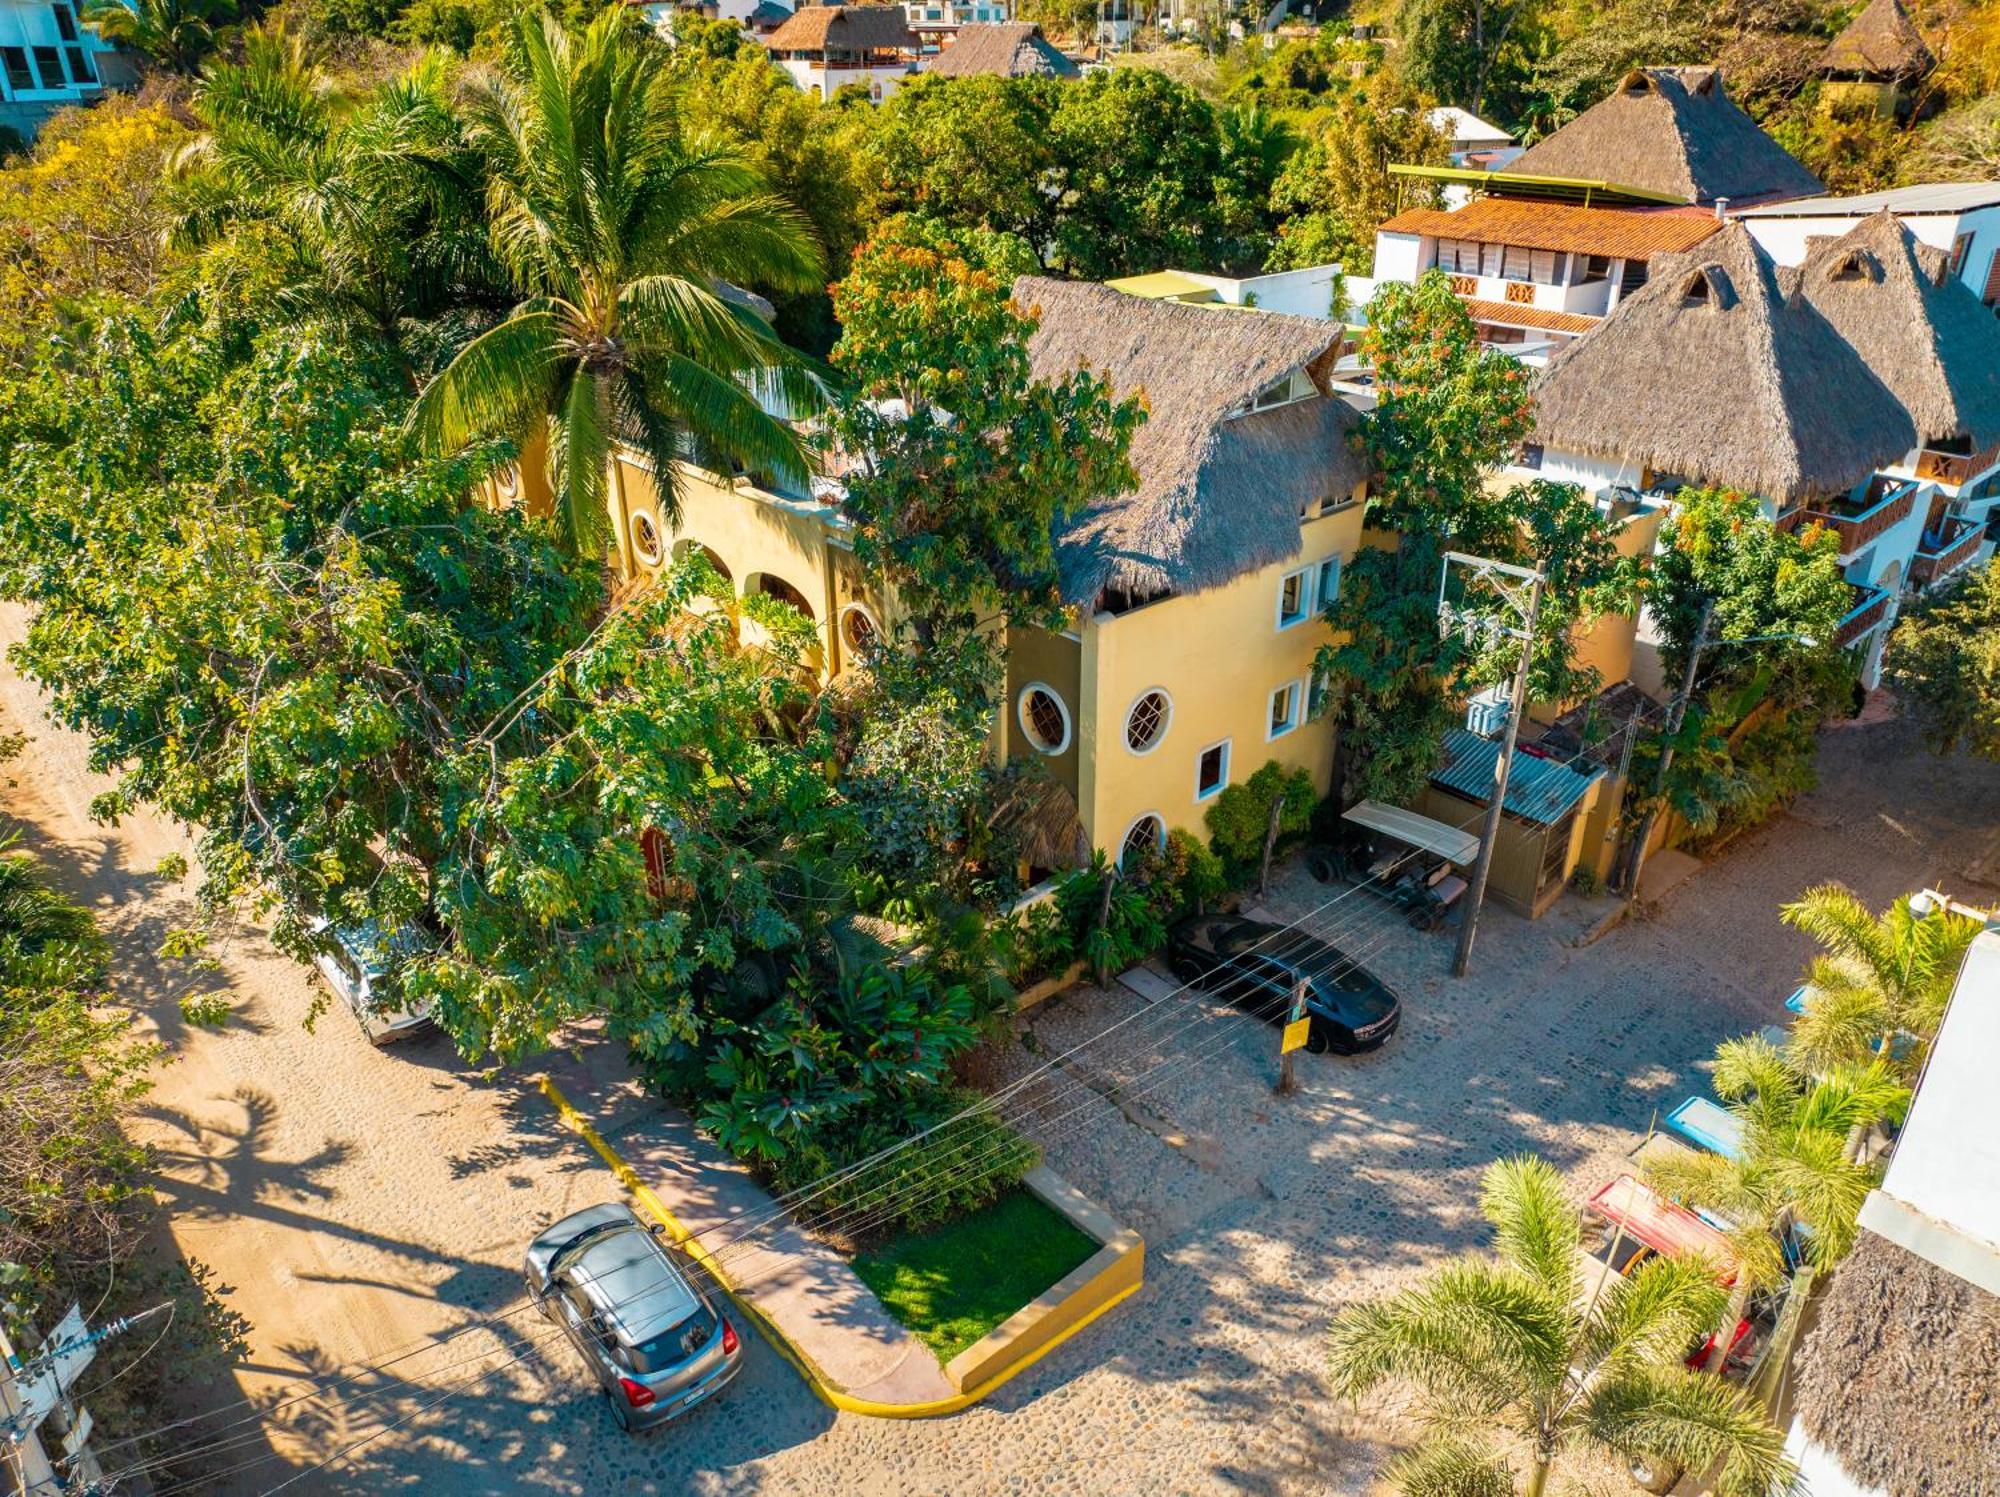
{"x": 1898, "y": 1383}
{"x": 936, "y": 22}
{"x": 1474, "y": 142}
{"x": 825, "y": 47}
{"x": 48, "y": 59}
{"x": 1962, "y": 219}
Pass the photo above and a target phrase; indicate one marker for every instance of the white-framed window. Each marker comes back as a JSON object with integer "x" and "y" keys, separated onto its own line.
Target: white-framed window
{"x": 1147, "y": 720}
{"x": 1295, "y": 604}
{"x": 1297, "y": 385}
{"x": 1283, "y": 715}
{"x": 1211, "y": 770}
{"x": 1044, "y": 718}
{"x": 1147, "y": 833}
{"x": 646, "y": 542}
{"x": 860, "y": 630}
{"x": 1326, "y": 584}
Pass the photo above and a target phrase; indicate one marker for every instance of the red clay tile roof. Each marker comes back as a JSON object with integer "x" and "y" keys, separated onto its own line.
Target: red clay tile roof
{"x": 1623, "y": 233}
{"x": 1513, "y": 314}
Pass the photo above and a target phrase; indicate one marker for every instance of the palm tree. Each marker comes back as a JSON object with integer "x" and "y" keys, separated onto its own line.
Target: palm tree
{"x": 621, "y": 235}
{"x": 369, "y": 215}
{"x": 1797, "y": 1167}
{"x": 1880, "y": 978}
{"x": 1515, "y": 1347}
{"x": 177, "y": 34}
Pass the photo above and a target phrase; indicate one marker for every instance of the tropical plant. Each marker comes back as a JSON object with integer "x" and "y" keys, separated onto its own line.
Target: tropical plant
{"x": 1796, "y": 1170}
{"x": 1881, "y": 984}
{"x": 1515, "y": 1349}
{"x": 1944, "y": 660}
{"x": 622, "y": 236}
{"x": 1332, "y": 193}
{"x": 1240, "y": 817}
{"x": 177, "y": 34}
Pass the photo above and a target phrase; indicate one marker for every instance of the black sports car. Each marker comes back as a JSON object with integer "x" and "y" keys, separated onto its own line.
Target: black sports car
{"x": 1256, "y": 965}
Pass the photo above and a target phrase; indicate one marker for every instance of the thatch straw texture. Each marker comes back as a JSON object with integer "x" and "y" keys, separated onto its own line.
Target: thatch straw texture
{"x": 1217, "y": 496}
{"x": 1671, "y": 130}
{"x": 1935, "y": 346}
{"x": 853, "y": 28}
{"x": 1712, "y": 372}
{"x": 1882, "y": 43}
{"x": 1011, "y": 50}
{"x": 1900, "y": 1378}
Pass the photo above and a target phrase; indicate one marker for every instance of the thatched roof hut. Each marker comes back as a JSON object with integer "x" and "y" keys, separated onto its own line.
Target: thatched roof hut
{"x": 1925, "y": 334}
{"x": 849, "y": 28}
{"x": 1674, "y": 131}
{"x": 1712, "y": 372}
{"x": 1882, "y": 44}
{"x": 1221, "y": 488}
{"x": 1015, "y": 49}
{"x": 1900, "y": 1378}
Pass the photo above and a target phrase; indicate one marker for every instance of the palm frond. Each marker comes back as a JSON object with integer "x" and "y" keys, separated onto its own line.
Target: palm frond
{"x": 1652, "y": 1314}
{"x": 580, "y": 457}
{"x": 1536, "y": 1225}
{"x": 1693, "y": 1421}
{"x": 493, "y": 384}
{"x": 1448, "y": 1467}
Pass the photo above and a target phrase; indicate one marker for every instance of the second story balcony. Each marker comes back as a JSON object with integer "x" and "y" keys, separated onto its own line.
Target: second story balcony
{"x": 1945, "y": 551}
{"x": 1885, "y": 503}
{"x": 1955, "y": 463}
{"x": 1869, "y": 613}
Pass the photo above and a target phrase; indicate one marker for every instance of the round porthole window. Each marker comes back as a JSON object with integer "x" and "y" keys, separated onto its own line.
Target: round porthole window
{"x": 1146, "y": 835}
{"x": 1044, "y": 718}
{"x": 646, "y": 539}
{"x": 1146, "y": 724}
{"x": 858, "y": 629}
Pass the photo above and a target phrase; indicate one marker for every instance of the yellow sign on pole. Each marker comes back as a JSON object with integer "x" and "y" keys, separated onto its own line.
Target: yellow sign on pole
{"x": 1296, "y": 1034}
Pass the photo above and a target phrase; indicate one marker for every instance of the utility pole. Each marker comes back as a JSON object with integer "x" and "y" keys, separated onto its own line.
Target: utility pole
{"x": 29, "y": 1463}
{"x": 1529, "y": 612}
{"x": 1637, "y": 862}
{"x": 1290, "y": 1040}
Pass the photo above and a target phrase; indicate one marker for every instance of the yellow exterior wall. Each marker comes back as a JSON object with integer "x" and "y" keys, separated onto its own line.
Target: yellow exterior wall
{"x": 1056, "y": 661}
{"x": 1218, "y": 654}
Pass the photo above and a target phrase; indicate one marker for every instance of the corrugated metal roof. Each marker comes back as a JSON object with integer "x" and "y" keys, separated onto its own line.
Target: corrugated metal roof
{"x": 1538, "y": 790}
{"x": 1624, "y": 233}
{"x": 1927, "y": 197}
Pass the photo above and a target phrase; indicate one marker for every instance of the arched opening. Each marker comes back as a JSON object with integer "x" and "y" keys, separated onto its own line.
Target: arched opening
{"x": 783, "y": 591}
{"x": 684, "y": 549}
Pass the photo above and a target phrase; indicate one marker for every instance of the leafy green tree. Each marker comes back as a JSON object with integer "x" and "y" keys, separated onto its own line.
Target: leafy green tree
{"x": 616, "y": 231}
{"x": 1944, "y": 659}
{"x": 367, "y": 214}
{"x": 1337, "y": 189}
{"x": 1240, "y": 818}
{"x": 177, "y": 34}
{"x": 1458, "y": 50}
{"x": 1515, "y": 1347}
{"x": 963, "y": 463}
{"x": 972, "y": 153}
{"x": 1795, "y": 1170}
{"x": 1881, "y": 983}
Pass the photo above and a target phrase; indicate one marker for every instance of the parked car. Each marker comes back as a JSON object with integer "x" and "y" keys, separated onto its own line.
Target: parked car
{"x": 1256, "y": 965}
{"x": 362, "y": 963}
{"x": 655, "y": 1344}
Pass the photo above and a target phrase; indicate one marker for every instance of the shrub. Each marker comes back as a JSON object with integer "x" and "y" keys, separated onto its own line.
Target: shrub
{"x": 1241, "y": 814}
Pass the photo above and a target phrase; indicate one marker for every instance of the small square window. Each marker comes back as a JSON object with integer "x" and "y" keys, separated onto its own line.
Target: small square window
{"x": 79, "y": 65}
{"x": 1211, "y": 770}
{"x": 48, "y": 63}
{"x": 1284, "y": 710}
{"x": 1328, "y": 586}
{"x": 16, "y": 62}
{"x": 1294, "y": 602}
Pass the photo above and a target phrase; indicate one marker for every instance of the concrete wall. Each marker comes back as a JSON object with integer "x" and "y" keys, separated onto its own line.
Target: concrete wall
{"x": 1218, "y": 655}
{"x": 1402, "y": 257}
{"x": 1117, "y": 1268}
{"x": 1784, "y": 239}
{"x": 1056, "y": 661}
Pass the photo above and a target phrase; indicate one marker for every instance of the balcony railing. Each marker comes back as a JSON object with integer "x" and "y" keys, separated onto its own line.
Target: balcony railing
{"x": 1953, "y": 550}
{"x": 1955, "y": 467}
{"x": 1858, "y": 528}
{"x": 1866, "y": 615}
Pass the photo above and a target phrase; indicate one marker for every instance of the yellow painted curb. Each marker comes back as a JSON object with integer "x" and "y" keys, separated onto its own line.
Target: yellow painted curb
{"x": 802, "y": 1364}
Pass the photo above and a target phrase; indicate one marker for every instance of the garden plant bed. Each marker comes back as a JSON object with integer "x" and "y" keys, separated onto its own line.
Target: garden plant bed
{"x": 954, "y": 1284}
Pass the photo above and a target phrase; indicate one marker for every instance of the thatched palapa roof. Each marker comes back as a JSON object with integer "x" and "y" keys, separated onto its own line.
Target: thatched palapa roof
{"x": 1712, "y": 372}
{"x": 853, "y": 28}
{"x": 1934, "y": 345}
{"x": 1218, "y": 494}
{"x": 1900, "y": 1378}
{"x": 1882, "y": 42}
{"x": 1014, "y": 49}
{"x": 1670, "y": 130}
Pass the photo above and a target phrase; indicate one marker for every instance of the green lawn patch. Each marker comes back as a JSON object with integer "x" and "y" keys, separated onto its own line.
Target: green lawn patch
{"x": 952, "y": 1285}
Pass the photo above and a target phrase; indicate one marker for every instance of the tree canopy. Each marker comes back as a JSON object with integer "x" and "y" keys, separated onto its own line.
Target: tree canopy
{"x": 1944, "y": 661}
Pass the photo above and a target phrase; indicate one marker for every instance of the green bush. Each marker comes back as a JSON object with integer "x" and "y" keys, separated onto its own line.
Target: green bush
{"x": 1241, "y": 814}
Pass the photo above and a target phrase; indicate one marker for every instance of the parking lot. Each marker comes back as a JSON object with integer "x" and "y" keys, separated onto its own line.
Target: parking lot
{"x": 354, "y": 1203}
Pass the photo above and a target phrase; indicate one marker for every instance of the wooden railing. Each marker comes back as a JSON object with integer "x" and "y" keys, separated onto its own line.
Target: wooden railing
{"x": 1955, "y": 467}
{"x": 1857, "y": 530}
{"x": 1865, "y": 615}
{"x": 1930, "y": 567}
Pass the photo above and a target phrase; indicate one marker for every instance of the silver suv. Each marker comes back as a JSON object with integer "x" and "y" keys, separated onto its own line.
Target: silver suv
{"x": 649, "y": 1334}
{"x": 362, "y": 964}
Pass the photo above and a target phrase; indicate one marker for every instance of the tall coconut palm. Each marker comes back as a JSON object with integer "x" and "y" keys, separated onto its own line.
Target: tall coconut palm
{"x": 1796, "y": 1167}
{"x": 177, "y": 34}
{"x": 621, "y": 235}
{"x": 1881, "y": 977}
{"x": 1515, "y": 1348}
{"x": 367, "y": 212}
